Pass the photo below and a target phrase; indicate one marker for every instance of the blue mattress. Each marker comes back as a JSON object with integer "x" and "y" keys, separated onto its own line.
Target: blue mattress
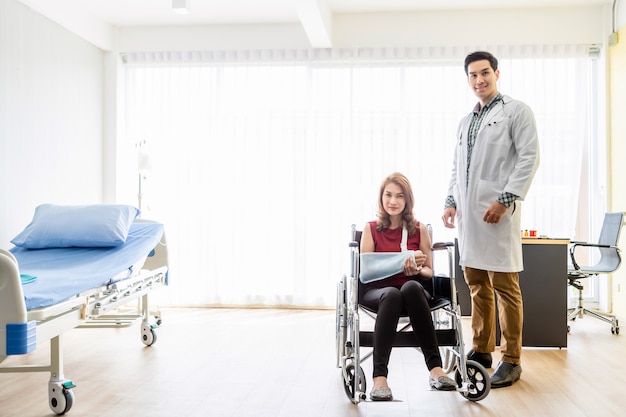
{"x": 61, "y": 273}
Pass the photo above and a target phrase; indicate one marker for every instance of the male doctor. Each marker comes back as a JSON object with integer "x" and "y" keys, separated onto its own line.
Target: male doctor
{"x": 496, "y": 157}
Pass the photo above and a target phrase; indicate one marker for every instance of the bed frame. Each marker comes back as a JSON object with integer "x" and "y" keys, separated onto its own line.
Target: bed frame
{"x": 21, "y": 331}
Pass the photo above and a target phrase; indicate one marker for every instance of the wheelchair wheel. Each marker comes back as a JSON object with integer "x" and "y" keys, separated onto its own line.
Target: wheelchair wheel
{"x": 480, "y": 384}
{"x": 349, "y": 383}
{"x": 340, "y": 323}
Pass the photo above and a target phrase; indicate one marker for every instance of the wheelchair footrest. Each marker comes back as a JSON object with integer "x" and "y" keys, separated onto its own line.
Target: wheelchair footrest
{"x": 445, "y": 337}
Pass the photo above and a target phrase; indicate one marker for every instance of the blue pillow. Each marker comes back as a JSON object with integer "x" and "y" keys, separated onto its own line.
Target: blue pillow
{"x": 95, "y": 225}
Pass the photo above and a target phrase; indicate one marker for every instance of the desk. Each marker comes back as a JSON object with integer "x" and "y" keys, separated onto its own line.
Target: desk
{"x": 544, "y": 290}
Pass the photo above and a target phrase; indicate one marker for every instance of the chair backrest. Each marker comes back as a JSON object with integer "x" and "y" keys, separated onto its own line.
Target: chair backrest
{"x": 611, "y": 228}
{"x": 610, "y": 258}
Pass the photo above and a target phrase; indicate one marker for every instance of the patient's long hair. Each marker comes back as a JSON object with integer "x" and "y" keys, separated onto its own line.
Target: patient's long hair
{"x": 384, "y": 221}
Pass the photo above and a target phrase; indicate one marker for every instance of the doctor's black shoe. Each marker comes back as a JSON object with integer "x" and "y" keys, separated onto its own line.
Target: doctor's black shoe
{"x": 482, "y": 358}
{"x": 506, "y": 374}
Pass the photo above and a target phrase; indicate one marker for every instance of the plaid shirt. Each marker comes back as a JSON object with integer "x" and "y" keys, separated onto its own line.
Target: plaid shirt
{"x": 478, "y": 116}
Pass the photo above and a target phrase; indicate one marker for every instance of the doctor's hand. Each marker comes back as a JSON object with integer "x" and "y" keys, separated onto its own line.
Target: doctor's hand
{"x": 494, "y": 212}
{"x": 448, "y": 217}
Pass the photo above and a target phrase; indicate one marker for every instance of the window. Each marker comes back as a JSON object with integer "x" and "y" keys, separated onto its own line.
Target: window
{"x": 262, "y": 160}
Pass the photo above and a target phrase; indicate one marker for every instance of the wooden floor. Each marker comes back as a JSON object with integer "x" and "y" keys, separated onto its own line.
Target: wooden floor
{"x": 281, "y": 363}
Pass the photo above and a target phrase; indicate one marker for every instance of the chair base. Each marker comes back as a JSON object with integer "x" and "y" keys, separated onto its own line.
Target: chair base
{"x": 580, "y": 312}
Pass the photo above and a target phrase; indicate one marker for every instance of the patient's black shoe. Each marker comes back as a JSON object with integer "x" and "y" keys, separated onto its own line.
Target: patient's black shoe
{"x": 482, "y": 358}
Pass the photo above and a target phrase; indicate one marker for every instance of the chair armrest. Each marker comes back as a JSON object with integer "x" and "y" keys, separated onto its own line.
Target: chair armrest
{"x": 590, "y": 245}
{"x": 574, "y": 245}
{"x": 573, "y": 258}
{"x": 442, "y": 245}
{"x": 572, "y": 252}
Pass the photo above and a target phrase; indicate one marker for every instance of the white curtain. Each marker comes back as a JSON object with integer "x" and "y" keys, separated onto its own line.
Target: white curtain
{"x": 262, "y": 160}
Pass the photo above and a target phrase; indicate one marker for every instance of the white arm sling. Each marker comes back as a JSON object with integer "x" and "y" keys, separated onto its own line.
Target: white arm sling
{"x": 375, "y": 266}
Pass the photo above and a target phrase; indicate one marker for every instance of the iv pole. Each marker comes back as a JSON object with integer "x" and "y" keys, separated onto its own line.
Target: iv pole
{"x": 144, "y": 165}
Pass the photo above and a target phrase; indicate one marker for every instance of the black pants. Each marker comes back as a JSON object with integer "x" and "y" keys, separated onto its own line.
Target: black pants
{"x": 390, "y": 303}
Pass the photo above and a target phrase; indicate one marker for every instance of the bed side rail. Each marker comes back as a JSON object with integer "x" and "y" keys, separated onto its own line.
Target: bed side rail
{"x": 122, "y": 292}
{"x": 17, "y": 336}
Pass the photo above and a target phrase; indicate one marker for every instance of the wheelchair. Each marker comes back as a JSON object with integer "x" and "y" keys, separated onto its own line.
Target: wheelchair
{"x": 471, "y": 377}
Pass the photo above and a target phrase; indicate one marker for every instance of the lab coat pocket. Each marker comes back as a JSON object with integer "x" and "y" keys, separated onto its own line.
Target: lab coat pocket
{"x": 496, "y": 131}
{"x": 487, "y": 192}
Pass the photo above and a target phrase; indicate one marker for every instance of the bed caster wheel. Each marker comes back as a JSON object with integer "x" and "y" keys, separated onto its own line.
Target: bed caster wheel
{"x": 148, "y": 334}
{"x": 479, "y": 381}
{"x": 61, "y": 396}
{"x": 351, "y": 386}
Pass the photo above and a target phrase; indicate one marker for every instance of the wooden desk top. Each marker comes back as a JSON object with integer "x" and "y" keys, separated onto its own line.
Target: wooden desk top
{"x": 544, "y": 241}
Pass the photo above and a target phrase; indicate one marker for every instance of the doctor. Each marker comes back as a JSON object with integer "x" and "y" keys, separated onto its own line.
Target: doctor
{"x": 496, "y": 157}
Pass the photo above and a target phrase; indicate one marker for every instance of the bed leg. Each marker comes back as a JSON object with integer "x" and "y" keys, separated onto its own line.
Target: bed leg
{"x": 145, "y": 310}
{"x": 60, "y": 393}
{"x": 148, "y": 333}
{"x": 56, "y": 358}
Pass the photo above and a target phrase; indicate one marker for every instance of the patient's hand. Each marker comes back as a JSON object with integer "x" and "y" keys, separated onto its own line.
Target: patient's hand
{"x": 414, "y": 265}
{"x": 420, "y": 258}
{"x": 410, "y": 268}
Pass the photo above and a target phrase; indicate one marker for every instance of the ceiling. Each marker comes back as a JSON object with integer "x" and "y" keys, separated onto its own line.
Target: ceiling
{"x": 95, "y": 20}
{"x": 128, "y": 13}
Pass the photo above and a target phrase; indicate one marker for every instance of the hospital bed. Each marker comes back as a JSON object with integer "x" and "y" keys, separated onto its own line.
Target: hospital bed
{"x": 46, "y": 292}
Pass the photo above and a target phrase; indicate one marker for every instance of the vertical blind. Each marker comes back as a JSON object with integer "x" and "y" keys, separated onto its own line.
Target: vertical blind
{"x": 262, "y": 160}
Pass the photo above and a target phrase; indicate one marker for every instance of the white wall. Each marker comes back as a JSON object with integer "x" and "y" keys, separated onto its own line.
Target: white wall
{"x": 620, "y": 15}
{"x": 199, "y": 38}
{"x": 572, "y": 25}
{"x": 51, "y": 104}
{"x": 575, "y": 25}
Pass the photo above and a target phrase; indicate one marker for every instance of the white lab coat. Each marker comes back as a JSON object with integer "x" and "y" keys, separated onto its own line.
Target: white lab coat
{"x": 505, "y": 157}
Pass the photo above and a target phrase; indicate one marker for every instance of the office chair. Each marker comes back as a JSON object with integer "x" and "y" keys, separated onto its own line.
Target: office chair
{"x": 610, "y": 260}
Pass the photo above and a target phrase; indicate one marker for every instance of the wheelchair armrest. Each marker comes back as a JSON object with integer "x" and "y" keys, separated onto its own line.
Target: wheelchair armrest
{"x": 353, "y": 244}
{"x": 442, "y": 245}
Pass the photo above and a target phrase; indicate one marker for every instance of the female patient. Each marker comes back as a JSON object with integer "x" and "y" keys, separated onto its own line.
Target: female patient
{"x": 400, "y": 293}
